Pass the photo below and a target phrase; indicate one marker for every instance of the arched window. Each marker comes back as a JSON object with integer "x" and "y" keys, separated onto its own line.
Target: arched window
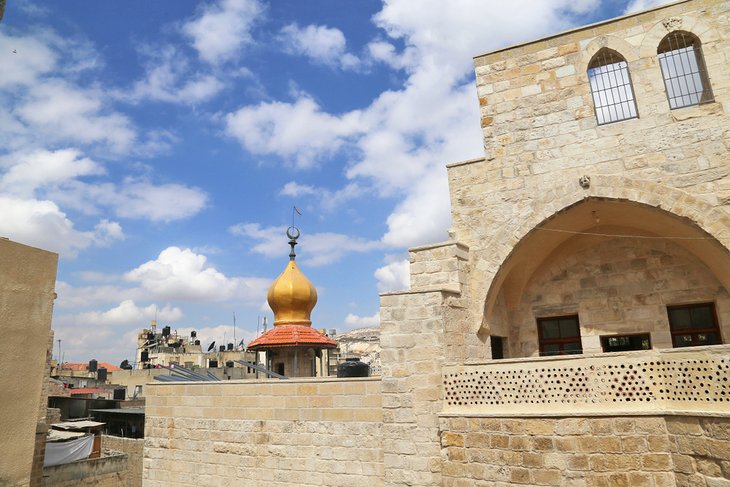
{"x": 613, "y": 95}
{"x": 684, "y": 71}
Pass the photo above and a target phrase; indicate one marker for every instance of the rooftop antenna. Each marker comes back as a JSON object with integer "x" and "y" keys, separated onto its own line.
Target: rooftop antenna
{"x": 264, "y": 325}
{"x": 59, "y": 352}
{"x": 234, "y": 327}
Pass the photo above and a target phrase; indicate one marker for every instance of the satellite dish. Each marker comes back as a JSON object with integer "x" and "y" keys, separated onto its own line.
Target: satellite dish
{"x": 212, "y": 346}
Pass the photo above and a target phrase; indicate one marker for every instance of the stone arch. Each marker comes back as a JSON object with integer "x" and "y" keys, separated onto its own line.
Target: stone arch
{"x": 696, "y": 214}
{"x": 629, "y": 52}
{"x": 687, "y": 23}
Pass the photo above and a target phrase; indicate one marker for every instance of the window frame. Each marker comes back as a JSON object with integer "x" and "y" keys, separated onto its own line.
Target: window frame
{"x": 596, "y": 63}
{"x": 559, "y": 341}
{"x": 694, "y": 331}
{"x": 605, "y": 338}
{"x": 706, "y": 95}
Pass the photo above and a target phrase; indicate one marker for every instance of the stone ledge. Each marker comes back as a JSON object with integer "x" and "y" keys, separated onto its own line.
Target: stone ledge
{"x": 269, "y": 382}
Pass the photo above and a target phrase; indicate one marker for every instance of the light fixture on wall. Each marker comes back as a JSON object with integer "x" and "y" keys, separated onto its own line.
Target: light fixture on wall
{"x": 596, "y": 217}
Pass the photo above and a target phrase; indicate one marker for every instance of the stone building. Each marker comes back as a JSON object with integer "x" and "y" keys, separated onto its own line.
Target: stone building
{"x": 571, "y": 332}
{"x": 27, "y": 283}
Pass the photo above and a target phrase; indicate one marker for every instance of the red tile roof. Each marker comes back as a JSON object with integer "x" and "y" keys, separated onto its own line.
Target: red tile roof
{"x": 292, "y": 336}
{"x": 84, "y": 366}
{"x": 89, "y": 390}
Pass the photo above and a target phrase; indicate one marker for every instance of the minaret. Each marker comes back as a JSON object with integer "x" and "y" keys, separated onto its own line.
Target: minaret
{"x": 292, "y": 346}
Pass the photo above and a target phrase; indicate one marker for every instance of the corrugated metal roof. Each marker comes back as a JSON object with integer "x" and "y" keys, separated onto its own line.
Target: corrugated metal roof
{"x": 76, "y": 425}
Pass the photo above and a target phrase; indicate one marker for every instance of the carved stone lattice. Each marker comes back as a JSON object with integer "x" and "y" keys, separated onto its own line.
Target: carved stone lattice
{"x": 669, "y": 381}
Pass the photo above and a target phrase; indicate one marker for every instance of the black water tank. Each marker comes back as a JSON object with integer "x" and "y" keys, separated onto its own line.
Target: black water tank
{"x": 353, "y": 367}
{"x": 193, "y": 334}
{"x": 120, "y": 393}
{"x": 197, "y": 342}
{"x": 166, "y": 331}
{"x": 213, "y": 364}
{"x": 222, "y": 348}
{"x": 150, "y": 336}
{"x": 230, "y": 347}
{"x": 229, "y": 364}
{"x": 144, "y": 356}
{"x": 93, "y": 364}
{"x": 101, "y": 374}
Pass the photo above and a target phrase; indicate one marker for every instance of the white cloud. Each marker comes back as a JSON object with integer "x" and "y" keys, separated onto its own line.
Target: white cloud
{"x": 181, "y": 274}
{"x": 29, "y": 171}
{"x": 223, "y": 29}
{"x": 128, "y": 313}
{"x": 42, "y": 224}
{"x": 57, "y": 111}
{"x": 315, "y": 249}
{"x": 24, "y": 59}
{"x": 169, "y": 79}
{"x": 327, "y": 199}
{"x": 352, "y": 320}
{"x": 638, "y": 5}
{"x": 405, "y": 137}
{"x": 300, "y": 131}
{"x": 133, "y": 198}
{"x": 385, "y": 52}
{"x": 103, "y": 292}
{"x": 394, "y": 276}
{"x": 322, "y": 44}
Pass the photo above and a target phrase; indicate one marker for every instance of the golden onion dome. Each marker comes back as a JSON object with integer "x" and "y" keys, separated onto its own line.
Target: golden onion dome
{"x": 292, "y": 296}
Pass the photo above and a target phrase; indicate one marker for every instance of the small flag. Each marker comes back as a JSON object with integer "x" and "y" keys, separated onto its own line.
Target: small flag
{"x": 299, "y": 212}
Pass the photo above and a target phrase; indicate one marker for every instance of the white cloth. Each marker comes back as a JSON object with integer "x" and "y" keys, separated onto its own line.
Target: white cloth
{"x": 60, "y": 452}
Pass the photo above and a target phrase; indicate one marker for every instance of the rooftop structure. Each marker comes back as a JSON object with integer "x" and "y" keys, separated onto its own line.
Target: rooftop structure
{"x": 292, "y": 346}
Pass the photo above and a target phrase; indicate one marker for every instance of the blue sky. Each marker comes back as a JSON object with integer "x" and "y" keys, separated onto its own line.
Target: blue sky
{"x": 159, "y": 147}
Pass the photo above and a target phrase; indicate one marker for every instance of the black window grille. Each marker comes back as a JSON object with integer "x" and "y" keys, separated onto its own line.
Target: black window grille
{"x": 613, "y": 95}
{"x": 684, "y": 71}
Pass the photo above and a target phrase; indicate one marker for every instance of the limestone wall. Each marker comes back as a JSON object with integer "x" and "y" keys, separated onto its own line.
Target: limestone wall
{"x": 652, "y": 451}
{"x": 27, "y": 281}
{"x": 617, "y": 286}
{"x": 541, "y": 136}
{"x": 412, "y": 351}
{"x": 318, "y": 432}
{"x": 134, "y": 448}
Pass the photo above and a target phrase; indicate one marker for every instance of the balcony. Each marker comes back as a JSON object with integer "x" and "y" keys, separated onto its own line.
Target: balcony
{"x": 674, "y": 381}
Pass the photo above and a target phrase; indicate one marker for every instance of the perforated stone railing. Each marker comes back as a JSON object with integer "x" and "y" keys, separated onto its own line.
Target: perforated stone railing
{"x": 690, "y": 379}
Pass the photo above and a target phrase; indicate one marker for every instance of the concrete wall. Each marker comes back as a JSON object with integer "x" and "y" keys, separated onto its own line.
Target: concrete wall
{"x": 134, "y": 448}
{"x": 27, "y": 281}
{"x": 109, "y": 470}
{"x": 318, "y": 432}
{"x": 652, "y": 451}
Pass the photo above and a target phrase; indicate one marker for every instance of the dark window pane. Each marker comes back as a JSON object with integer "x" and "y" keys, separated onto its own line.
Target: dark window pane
{"x": 551, "y": 349}
{"x": 571, "y": 348}
{"x": 550, "y": 329}
{"x": 683, "y": 340}
{"x": 568, "y": 328}
{"x": 702, "y": 317}
{"x": 707, "y": 339}
{"x": 679, "y": 319}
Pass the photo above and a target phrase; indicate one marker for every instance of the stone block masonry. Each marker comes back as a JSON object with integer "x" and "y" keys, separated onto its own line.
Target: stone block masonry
{"x": 308, "y": 432}
{"x": 650, "y": 451}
